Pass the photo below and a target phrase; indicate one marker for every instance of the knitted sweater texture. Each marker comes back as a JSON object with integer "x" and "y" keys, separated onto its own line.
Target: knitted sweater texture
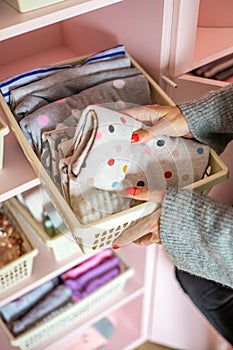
{"x": 196, "y": 231}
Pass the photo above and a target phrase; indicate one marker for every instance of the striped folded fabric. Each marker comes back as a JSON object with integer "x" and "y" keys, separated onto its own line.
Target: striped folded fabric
{"x": 11, "y": 83}
{"x": 36, "y": 74}
{"x": 102, "y": 55}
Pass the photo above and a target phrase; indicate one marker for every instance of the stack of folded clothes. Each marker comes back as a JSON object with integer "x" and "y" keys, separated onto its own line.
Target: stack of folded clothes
{"x": 52, "y": 297}
{"x": 220, "y": 69}
{"x": 92, "y": 273}
{"x": 85, "y": 147}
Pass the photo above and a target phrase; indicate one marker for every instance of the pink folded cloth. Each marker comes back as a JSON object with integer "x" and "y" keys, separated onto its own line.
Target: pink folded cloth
{"x": 87, "y": 264}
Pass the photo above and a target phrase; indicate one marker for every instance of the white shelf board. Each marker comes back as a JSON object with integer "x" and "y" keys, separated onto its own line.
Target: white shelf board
{"x": 211, "y": 44}
{"x": 13, "y": 23}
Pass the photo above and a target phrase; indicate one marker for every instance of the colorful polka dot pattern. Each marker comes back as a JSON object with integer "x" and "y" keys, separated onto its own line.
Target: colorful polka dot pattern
{"x": 114, "y": 159}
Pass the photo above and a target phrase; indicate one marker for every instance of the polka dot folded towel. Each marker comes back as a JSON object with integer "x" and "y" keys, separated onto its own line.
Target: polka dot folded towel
{"x": 101, "y": 161}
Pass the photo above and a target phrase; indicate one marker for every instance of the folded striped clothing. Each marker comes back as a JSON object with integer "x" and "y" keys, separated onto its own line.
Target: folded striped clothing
{"x": 8, "y": 85}
{"x": 132, "y": 89}
{"x": 71, "y": 81}
{"x": 11, "y": 83}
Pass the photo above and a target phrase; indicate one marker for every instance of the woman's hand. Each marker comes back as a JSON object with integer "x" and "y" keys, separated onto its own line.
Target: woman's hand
{"x": 146, "y": 231}
{"x": 162, "y": 120}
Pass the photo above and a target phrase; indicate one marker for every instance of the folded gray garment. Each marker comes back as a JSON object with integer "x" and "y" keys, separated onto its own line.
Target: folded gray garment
{"x": 67, "y": 88}
{"x": 18, "y": 94}
{"x": 51, "y": 151}
{"x": 58, "y": 297}
{"x": 17, "y": 308}
{"x": 224, "y": 74}
{"x": 133, "y": 90}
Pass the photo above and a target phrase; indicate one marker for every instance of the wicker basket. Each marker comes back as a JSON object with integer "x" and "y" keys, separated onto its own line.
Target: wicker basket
{"x": 72, "y": 314}
{"x": 4, "y": 130}
{"x": 21, "y": 268}
{"x": 101, "y": 234}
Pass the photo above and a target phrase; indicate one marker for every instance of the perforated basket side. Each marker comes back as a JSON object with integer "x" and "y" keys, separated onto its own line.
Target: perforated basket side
{"x": 17, "y": 270}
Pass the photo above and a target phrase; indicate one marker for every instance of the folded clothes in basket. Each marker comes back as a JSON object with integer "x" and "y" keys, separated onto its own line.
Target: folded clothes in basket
{"x": 17, "y": 308}
{"x": 58, "y": 297}
{"x": 93, "y": 273}
{"x": 101, "y": 160}
{"x": 88, "y": 264}
{"x": 94, "y": 278}
{"x": 133, "y": 89}
{"x": 69, "y": 82}
{"x": 53, "y": 297}
{"x": 19, "y": 82}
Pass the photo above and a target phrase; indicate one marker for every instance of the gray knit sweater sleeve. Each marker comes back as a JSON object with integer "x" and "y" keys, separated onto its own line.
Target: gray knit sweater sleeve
{"x": 196, "y": 231}
{"x": 197, "y": 234}
{"x": 210, "y": 119}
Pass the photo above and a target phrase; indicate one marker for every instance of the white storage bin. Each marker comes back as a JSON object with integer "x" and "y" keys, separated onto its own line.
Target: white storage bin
{"x": 29, "y": 5}
{"x": 61, "y": 246}
{"x": 102, "y": 233}
{"x": 21, "y": 268}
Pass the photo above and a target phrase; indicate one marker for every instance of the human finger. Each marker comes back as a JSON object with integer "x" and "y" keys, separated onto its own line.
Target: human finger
{"x": 145, "y": 114}
{"x": 149, "y": 238}
{"x": 159, "y": 121}
{"x": 144, "y": 194}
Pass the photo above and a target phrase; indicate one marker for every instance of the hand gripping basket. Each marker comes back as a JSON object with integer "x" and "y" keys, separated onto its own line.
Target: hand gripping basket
{"x": 101, "y": 234}
{"x": 21, "y": 268}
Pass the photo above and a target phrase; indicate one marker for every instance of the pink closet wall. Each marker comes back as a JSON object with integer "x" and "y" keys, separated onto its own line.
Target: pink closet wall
{"x": 215, "y": 13}
{"x": 129, "y": 22}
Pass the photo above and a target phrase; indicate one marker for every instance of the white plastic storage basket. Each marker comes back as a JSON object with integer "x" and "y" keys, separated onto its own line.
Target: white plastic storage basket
{"x": 72, "y": 314}
{"x": 29, "y": 5}
{"x": 4, "y": 130}
{"x": 102, "y": 233}
{"x": 61, "y": 246}
{"x": 21, "y": 268}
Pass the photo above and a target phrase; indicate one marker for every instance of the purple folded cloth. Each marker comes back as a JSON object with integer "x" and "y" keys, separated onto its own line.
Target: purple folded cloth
{"x": 96, "y": 283}
{"x": 80, "y": 284}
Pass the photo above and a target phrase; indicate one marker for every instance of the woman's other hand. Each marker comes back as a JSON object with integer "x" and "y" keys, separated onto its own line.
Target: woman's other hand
{"x": 146, "y": 231}
{"x": 161, "y": 121}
